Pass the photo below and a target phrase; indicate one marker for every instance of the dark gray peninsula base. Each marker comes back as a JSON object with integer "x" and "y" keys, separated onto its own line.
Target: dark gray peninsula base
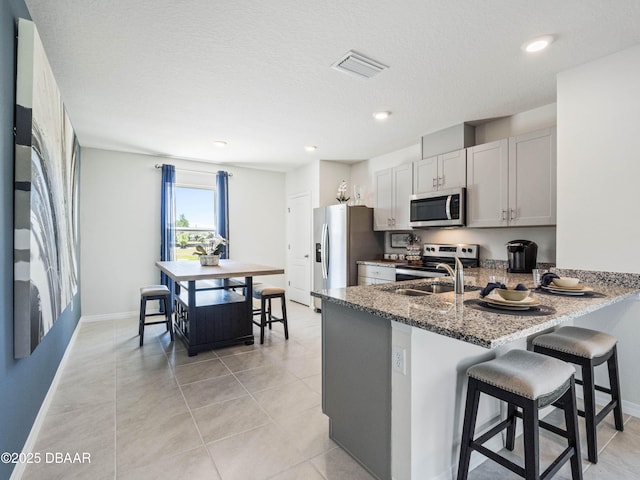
{"x": 356, "y": 384}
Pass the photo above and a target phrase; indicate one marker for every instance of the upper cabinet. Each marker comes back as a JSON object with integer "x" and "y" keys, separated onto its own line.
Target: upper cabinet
{"x": 487, "y": 184}
{"x": 393, "y": 193}
{"x": 512, "y": 182}
{"x": 440, "y": 172}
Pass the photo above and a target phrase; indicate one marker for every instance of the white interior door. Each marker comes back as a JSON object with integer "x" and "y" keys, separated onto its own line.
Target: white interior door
{"x": 299, "y": 248}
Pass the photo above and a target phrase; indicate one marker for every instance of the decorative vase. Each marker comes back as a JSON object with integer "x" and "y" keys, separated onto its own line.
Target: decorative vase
{"x": 209, "y": 260}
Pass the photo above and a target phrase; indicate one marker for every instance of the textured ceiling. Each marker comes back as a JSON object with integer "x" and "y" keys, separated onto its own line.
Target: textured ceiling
{"x": 169, "y": 78}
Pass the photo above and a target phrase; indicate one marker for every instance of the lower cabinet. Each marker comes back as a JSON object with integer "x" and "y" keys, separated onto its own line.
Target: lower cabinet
{"x": 374, "y": 274}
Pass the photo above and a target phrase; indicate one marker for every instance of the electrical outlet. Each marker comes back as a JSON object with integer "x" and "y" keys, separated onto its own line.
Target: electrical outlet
{"x": 398, "y": 359}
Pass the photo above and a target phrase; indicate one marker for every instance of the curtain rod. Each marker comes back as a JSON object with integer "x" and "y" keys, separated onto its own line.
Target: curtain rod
{"x": 158, "y": 165}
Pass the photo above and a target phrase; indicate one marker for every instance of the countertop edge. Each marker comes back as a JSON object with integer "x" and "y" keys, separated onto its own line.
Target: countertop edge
{"x": 489, "y": 343}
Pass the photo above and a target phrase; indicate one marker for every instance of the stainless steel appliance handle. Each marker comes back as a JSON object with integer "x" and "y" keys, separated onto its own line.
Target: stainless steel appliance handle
{"x": 418, "y": 273}
{"x": 449, "y": 206}
{"x": 324, "y": 252}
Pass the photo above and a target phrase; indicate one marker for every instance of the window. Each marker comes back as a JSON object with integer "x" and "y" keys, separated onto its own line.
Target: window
{"x": 195, "y": 219}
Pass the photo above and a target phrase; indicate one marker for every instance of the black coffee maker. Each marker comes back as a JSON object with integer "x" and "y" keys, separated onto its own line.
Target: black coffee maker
{"x": 522, "y": 256}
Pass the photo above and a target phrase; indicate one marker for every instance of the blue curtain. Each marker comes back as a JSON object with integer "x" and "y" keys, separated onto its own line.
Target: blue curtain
{"x": 222, "y": 209}
{"x": 167, "y": 222}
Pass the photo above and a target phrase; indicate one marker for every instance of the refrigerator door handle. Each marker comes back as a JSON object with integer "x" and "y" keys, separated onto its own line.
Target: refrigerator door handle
{"x": 325, "y": 251}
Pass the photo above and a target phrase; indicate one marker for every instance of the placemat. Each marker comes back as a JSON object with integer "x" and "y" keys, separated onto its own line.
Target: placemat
{"x": 586, "y": 294}
{"x": 539, "y": 310}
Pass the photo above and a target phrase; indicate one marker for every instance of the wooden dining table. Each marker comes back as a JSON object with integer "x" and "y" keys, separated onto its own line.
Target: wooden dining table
{"x": 213, "y": 304}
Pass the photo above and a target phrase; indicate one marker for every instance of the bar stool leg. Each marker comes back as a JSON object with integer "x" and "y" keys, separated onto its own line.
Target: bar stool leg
{"x": 270, "y": 315}
{"x": 511, "y": 429}
{"x": 143, "y": 304}
{"x": 531, "y": 443}
{"x": 589, "y": 395}
{"x": 468, "y": 429}
{"x": 573, "y": 437}
{"x": 284, "y": 317}
{"x": 614, "y": 382}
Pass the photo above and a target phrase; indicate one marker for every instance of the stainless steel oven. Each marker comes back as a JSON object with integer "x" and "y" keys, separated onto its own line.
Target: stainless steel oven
{"x": 443, "y": 208}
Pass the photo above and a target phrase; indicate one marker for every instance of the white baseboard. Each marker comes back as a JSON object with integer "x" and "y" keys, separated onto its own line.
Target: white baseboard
{"x": 632, "y": 409}
{"x": 111, "y": 316}
{"x": 629, "y": 408}
{"x": 29, "y": 445}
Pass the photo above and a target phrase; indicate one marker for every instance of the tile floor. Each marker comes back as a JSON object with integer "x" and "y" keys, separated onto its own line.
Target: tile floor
{"x": 240, "y": 413}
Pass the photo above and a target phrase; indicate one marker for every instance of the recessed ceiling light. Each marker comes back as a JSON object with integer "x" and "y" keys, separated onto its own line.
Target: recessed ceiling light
{"x": 381, "y": 115}
{"x": 538, "y": 43}
{"x": 310, "y": 148}
{"x": 220, "y": 143}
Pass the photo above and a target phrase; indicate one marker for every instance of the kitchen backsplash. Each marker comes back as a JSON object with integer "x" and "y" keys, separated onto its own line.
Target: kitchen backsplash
{"x": 491, "y": 240}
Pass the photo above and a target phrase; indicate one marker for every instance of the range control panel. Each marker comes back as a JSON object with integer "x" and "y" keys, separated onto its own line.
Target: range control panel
{"x": 460, "y": 250}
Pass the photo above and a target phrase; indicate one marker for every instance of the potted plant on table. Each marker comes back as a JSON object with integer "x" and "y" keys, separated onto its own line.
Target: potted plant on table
{"x": 210, "y": 255}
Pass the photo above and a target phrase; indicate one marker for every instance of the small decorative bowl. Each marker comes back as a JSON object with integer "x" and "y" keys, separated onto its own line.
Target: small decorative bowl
{"x": 512, "y": 295}
{"x": 566, "y": 282}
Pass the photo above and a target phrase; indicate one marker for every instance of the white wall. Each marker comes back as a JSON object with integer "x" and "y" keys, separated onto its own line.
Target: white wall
{"x": 331, "y": 174}
{"x": 598, "y": 182}
{"x": 305, "y": 179}
{"x": 599, "y": 164}
{"x": 120, "y": 224}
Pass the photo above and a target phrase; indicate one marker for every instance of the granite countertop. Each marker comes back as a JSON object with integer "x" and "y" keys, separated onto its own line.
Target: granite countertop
{"x": 453, "y": 316}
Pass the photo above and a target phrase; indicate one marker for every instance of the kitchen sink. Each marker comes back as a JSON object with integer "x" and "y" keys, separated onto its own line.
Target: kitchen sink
{"x": 431, "y": 289}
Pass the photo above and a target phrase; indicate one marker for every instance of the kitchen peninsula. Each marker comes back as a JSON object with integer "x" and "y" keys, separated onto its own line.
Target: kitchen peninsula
{"x": 404, "y": 421}
{"x": 210, "y": 313}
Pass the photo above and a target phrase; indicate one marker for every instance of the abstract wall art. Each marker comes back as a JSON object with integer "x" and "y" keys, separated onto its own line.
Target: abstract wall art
{"x": 46, "y": 198}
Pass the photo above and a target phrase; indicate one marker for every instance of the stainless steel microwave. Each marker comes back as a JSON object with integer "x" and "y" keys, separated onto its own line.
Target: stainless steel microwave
{"x": 444, "y": 208}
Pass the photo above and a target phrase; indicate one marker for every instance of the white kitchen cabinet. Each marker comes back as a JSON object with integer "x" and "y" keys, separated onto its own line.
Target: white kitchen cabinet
{"x": 440, "y": 172}
{"x": 512, "y": 182}
{"x": 374, "y": 274}
{"x": 487, "y": 184}
{"x": 532, "y": 178}
{"x": 393, "y": 193}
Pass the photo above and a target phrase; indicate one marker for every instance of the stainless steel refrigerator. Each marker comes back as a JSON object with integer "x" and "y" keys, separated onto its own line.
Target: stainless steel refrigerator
{"x": 342, "y": 235}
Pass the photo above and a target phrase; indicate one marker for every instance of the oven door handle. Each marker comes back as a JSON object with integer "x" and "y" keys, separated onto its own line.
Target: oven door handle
{"x": 418, "y": 273}
{"x": 449, "y": 197}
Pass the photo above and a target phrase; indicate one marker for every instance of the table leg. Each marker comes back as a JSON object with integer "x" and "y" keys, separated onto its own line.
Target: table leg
{"x": 191, "y": 294}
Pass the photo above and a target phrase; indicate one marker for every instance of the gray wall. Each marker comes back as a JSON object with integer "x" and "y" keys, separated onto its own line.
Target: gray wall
{"x": 23, "y": 383}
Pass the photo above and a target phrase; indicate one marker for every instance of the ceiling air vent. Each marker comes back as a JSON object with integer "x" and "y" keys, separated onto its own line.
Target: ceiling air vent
{"x": 355, "y": 64}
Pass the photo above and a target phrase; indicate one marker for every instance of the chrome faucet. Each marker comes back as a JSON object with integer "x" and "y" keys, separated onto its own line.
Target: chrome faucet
{"x": 457, "y": 275}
